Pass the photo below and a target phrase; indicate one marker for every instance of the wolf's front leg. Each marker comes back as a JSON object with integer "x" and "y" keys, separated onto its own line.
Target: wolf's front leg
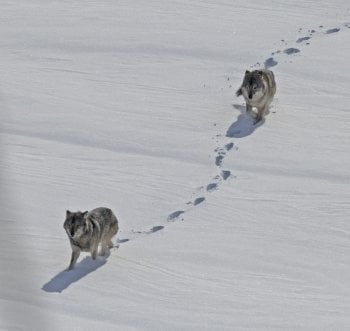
{"x": 261, "y": 112}
{"x": 74, "y": 258}
{"x": 248, "y": 109}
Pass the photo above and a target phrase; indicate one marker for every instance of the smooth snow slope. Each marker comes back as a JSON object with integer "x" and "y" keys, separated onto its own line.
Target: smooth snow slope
{"x": 130, "y": 105}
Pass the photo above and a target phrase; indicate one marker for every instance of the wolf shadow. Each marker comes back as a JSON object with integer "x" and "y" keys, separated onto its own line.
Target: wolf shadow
{"x": 65, "y": 278}
{"x": 244, "y": 125}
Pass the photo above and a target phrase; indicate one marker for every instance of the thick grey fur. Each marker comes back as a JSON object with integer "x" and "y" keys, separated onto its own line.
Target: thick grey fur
{"x": 88, "y": 229}
{"x": 258, "y": 89}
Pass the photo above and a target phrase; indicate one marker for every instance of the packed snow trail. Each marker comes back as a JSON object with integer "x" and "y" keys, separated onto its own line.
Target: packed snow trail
{"x": 244, "y": 125}
{"x": 129, "y": 105}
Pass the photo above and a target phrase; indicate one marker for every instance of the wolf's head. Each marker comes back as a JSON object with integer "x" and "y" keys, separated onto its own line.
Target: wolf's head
{"x": 253, "y": 87}
{"x": 75, "y": 223}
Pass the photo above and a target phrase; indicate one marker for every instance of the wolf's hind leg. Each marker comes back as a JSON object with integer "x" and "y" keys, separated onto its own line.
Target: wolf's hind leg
{"x": 106, "y": 243}
{"x": 112, "y": 233}
{"x": 104, "y": 248}
{"x": 94, "y": 250}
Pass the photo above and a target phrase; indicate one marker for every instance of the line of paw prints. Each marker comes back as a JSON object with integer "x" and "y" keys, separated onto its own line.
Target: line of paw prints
{"x": 268, "y": 63}
{"x": 221, "y": 151}
{"x": 211, "y": 186}
{"x": 299, "y": 43}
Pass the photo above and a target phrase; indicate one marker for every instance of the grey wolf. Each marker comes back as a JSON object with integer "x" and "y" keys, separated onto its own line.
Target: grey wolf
{"x": 258, "y": 89}
{"x": 88, "y": 229}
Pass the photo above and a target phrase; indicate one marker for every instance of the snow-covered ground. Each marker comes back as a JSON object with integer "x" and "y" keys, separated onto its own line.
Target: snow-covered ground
{"x": 131, "y": 105}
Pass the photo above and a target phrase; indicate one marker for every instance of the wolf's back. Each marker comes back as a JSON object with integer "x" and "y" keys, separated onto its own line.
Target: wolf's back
{"x": 269, "y": 77}
{"x": 106, "y": 221}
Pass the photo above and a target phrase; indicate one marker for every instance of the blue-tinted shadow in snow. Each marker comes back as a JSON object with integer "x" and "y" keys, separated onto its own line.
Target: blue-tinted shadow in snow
{"x": 244, "y": 126}
{"x": 65, "y": 278}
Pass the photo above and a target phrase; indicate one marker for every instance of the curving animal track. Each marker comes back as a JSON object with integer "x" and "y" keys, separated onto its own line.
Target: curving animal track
{"x": 244, "y": 125}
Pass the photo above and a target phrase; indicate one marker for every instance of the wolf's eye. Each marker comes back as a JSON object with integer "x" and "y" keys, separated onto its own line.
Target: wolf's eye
{"x": 255, "y": 87}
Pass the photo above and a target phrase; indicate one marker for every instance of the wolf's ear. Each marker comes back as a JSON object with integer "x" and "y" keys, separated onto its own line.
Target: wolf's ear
{"x": 68, "y": 213}
{"x": 247, "y": 72}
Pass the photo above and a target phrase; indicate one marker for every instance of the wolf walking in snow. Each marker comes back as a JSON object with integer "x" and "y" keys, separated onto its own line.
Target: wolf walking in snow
{"x": 258, "y": 89}
{"x": 88, "y": 229}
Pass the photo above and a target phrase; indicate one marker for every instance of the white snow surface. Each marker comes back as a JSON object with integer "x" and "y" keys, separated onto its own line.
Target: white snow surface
{"x": 131, "y": 105}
